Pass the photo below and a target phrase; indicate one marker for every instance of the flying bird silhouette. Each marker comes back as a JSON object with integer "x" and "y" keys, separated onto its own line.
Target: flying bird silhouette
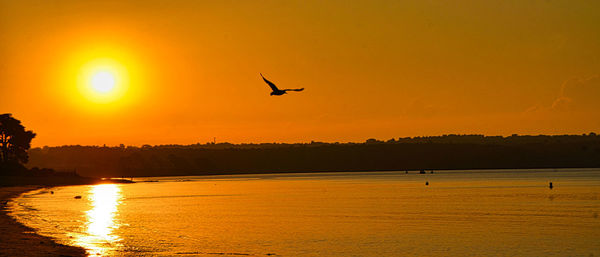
{"x": 277, "y": 91}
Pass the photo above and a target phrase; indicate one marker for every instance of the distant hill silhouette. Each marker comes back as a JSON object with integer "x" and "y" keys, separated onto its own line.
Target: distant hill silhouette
{"x": 438, "y": 152}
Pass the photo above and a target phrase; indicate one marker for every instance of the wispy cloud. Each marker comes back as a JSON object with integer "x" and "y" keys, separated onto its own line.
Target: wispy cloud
{"x": 422, "y": 109}
{"x": 579, "y": 94}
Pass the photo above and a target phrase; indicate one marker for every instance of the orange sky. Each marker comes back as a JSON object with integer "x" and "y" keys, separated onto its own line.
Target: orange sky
{"x": 378, "y": 69}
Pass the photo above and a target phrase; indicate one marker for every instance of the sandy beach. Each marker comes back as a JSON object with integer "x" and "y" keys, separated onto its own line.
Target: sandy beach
{"x": 19, "y": 240}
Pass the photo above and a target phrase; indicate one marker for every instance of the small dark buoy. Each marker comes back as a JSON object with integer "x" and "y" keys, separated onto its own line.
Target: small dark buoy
{"x": 550, "y": 186}
{"x": 431, "y": 172}
{"x": 427, "y": 183}
{"x": 78, "y": 197}
{"x": 51, "y": 192}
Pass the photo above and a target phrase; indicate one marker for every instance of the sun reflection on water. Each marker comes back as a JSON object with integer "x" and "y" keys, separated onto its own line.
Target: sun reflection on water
{"x": 99, "y": 238}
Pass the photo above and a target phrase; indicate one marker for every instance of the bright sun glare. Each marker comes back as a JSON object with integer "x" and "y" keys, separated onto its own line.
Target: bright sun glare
{"x": 101, "y": 220}
{"x": 103, "y": 81}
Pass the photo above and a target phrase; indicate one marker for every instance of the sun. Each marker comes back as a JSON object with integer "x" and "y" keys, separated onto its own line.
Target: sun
{"x": 103, "y": 82}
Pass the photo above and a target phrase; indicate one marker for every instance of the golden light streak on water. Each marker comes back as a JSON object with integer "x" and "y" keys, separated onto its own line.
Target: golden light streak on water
{"x": 105, "y": 200}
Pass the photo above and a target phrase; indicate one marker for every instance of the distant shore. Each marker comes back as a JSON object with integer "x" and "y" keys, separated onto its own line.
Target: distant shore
{"x": 17, "y": 239}
{"x": 452, "y": 152}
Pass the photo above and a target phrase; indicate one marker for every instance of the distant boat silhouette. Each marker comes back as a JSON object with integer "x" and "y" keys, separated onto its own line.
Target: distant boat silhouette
{"x": 427, "y": 183}
{"x": 78, "y": 197}
{"x": 550, "y": 186}
{"x": 277, "y": 91}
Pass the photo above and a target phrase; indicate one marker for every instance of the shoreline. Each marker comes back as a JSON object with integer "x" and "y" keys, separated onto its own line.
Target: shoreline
{"x": 411, "y": 171}
{"x": 17, "y": 239}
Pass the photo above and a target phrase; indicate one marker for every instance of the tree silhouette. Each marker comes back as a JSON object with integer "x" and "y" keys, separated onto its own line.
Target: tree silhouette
{"x": 14, "y": 142}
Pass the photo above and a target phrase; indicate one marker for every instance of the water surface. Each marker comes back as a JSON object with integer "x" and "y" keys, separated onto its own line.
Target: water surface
{"x": 460, "y": 213}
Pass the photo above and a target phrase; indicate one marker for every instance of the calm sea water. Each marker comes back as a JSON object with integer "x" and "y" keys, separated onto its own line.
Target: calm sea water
{"x": 460, "y": 213}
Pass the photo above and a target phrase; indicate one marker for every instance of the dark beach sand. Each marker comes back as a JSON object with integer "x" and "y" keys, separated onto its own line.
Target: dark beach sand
{"x": 19, "y": 240}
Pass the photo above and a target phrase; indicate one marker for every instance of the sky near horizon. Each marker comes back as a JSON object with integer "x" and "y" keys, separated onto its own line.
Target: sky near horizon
{"x": 187, "y": 71}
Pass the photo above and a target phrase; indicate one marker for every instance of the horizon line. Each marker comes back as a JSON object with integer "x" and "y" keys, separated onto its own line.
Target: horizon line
{"x": 322, "y": 142}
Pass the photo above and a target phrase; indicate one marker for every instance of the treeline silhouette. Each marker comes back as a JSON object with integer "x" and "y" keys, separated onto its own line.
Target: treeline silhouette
{"x": 437, "y": 152}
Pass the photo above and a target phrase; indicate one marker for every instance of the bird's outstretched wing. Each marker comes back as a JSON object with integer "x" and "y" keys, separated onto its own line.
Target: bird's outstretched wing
{"x": 293, "y": 89}
{"x": 270, "y": 83}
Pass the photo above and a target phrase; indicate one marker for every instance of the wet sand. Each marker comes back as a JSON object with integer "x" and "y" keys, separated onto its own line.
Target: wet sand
{"x": 19, "y": 240}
